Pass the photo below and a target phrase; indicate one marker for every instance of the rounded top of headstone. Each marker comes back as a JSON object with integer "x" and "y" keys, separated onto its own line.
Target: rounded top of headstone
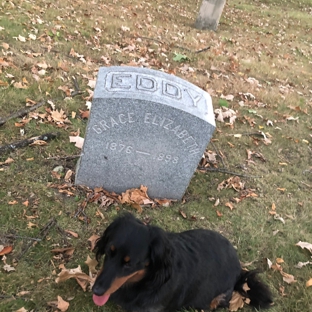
{"x": 154, "y": 86}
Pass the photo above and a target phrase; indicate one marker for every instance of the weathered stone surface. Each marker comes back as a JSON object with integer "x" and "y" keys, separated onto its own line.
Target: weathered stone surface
{"x": 209, "y": 14}
{"x": 145, "y": 128}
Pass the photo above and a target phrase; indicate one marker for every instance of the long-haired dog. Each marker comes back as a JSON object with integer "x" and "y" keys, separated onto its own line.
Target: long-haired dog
{"x": 147, "y": 269}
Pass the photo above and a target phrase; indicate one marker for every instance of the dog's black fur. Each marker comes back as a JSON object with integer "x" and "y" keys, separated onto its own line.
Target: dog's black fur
{"x": 149, "y": 270}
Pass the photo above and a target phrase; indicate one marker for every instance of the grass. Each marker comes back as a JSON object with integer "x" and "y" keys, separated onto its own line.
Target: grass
{"x": 267, "y": 40}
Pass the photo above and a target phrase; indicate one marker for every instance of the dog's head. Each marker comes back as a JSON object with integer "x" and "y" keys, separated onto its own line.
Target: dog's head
{"x": 133, "y": 251}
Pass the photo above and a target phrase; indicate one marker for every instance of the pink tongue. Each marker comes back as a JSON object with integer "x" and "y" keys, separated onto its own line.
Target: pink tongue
{"x": 100, "y": 300}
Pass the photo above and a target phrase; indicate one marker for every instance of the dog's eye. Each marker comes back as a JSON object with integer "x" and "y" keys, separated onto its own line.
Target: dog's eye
{"x": 126, "y": 262}
{"x": 112, "y": 250}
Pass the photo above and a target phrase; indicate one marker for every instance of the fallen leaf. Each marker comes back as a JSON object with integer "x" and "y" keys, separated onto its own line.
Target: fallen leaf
{"x": 84, "y": 114}
{"x": 182, "y": 213}
{"x": 38, "y": 142}
{"x": 288, "y": 278}
{"x": 68, "y": 251}
{"x": 136, "y": 198}
{"x": 5, "y": 250}
{"x": 59, "y": 116}
{"x": 279, "y": 218}
{"x": 21, "y": 38}
{"x": 62, "y": 304}
{"x": 91, "y": 263}
{"x": 236, "y": 301}
{"x": 93, "y": 239}
{"x": 300, "y": 264}
{"x": 305, "y": 245}
{"x": 8, "y": 268}
{"x": 19, "y": 85}
{"x": 217, "y": 202}
{"x": 31, "y": 225}
{"x": 77, "y": 273}
{"x": 7, "y": 162}
{"x": 68, "y": 175}
{"x": 269, "y": 262}
{"x": 77, "y": 140}
{"x": 309, "y": 283}
{"x": 229, "y": 205}
{"x": 21, "y": 310}
{"x": 71, "y": 233}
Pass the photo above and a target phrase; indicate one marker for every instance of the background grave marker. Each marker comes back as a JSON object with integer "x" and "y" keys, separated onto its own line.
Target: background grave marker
{"x": 209, "y": 14}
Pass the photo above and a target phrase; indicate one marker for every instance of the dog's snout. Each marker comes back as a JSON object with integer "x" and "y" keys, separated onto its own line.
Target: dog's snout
{"x": 97, "y": 290}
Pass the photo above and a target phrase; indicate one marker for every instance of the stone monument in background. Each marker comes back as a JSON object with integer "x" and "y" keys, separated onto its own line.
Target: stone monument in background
{"x": 209, "y": 14}
{"x": 145, "y": 128}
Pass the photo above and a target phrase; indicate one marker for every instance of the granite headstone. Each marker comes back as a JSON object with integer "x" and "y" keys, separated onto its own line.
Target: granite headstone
{"x": 209, "y": 14}
{"x": 147, "y": 128}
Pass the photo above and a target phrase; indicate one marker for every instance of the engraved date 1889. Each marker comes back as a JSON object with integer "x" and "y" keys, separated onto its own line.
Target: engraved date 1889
{"x": 129, "y": 149}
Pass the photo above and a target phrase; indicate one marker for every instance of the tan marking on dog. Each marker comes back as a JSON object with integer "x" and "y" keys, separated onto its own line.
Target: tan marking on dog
{"x": 137, "y": 277}
{"x": 119, "y": 281}
{"x": 126, "y": 259}
{"x": 216, "y": 301}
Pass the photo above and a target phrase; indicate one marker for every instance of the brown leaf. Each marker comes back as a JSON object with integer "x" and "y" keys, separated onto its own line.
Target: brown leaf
{"x": 229, "y": 205}
{"x": 93, "y": 239}
{"x": 3, "y": 83}
{"x": 236, "y": 301}
{"x": 71, "y": 233}
{"x": 68, "y": 175}
{"x": 7, "y": 162}
{"x": 288, "y": 278}
{"x": 77, "y": 273}
{"x": 219, "y": 214}
{"x": 305, "y": 245}
{"x": 91, "y": 263}
{"x": 309, "y": 283}
{"x": 12, "y": 202}
{"x": 22, "y": 309}
{"x": 59, "y": 116}
{"x": 68, "y": 251}
{"x": 38, "y": 142}
{"x": 163, "y": 202}
{"x": 77, "y": 140}
{"x": 8, "y": 268}
{"x": 30, "y": 225}
{"x": 182, "y": 213}
{"x": 6, "y": 250}
{"x": 62, "y": 305}
{"x": 84, "y": 114}
{"x": 19, "y": 85}
{"x": 232, "y": 182}
{"x": 136, "y": 197}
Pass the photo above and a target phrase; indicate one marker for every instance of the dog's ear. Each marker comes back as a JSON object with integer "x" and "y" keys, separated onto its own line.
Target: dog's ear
{"x": 160, "y": 254}
{"x": 100, "y": 245}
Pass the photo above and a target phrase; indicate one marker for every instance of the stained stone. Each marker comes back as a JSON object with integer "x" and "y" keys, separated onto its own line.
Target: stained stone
{"x": 209, "y": 14}
{"x": 145, "y": 128}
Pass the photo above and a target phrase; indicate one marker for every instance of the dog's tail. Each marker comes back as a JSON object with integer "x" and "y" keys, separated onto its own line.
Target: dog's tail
{"x": 251, "y": 287}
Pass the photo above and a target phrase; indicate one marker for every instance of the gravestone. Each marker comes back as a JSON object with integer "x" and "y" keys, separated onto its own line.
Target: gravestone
{"x": 209, "y": 14}
{"x": 145, "y": 128}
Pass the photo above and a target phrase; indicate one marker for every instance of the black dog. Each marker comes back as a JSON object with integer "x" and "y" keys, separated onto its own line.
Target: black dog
{"x": 149, "y": 270}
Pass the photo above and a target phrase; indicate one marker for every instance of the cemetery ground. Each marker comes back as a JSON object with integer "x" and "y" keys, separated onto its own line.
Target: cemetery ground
{"x": 257, "y": 68}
